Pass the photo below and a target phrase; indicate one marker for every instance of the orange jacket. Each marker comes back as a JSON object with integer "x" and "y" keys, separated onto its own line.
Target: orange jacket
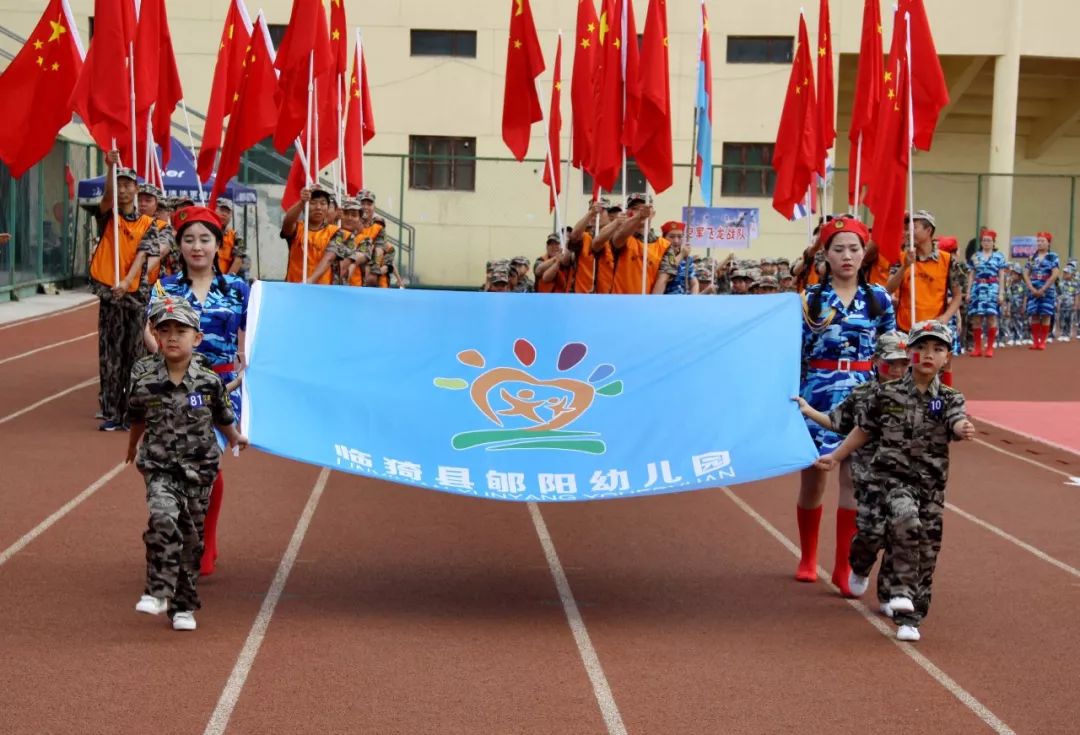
{"x": 317, "y": 243}
{"x": 102, "y": 268}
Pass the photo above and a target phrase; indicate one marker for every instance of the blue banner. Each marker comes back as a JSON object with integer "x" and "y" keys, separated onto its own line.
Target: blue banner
{"x": 721, "y": 227}
{"x": 537, "y": 397}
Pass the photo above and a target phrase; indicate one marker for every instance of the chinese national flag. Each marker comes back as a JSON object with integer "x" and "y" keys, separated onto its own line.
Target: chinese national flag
{"x": 157, "y": 81}
{"x": 930, "y": 93}
{"x": 795, "y": 157}
{"x": 339, "y": 37}
{"x": 326, "y": 151}
{"x": 305, "y": 50}
{"x": 868, "y": 86}
{"x": 826, "y": 106}
{"x": 524, "y": 63}
{"x": 615, "y": 115}
{"x": 553, "y": 164}
{"x": 583, "y": 84}
{"x": 359, "y": 123}
{"x": 887, "y": 192}
{"x": 38, "y": 84}
{"x": 255, "y": 113}
{"x": 102, "y": 95}
{"x": 652, "y": 136}
{"x": 229, "y": 70}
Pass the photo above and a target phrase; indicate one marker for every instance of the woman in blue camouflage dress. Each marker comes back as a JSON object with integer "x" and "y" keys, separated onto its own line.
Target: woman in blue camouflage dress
{"x": 986, "y": 292}
{"x": 842, "y": 318}
{"x": 1040, "y": 275}
{"x": 221, "y": 302}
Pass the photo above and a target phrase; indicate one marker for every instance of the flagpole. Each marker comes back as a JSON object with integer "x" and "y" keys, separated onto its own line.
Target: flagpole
{"x": 566, "y": 180}
{"x": 134, "y": 131}
{"x": 911, "y": 168}
{"x": 693, "y": 161}
{"x": 360, "y": 86}
{"x": 147, "y": 171}
{"x": 191, "y": 147}
{"x": 809, "y": 218}
{"x": 116, "y": 220}
{"x": 858, "y": 175}
{"x": 339, "y": 183}
{"x": 310, "y": 172}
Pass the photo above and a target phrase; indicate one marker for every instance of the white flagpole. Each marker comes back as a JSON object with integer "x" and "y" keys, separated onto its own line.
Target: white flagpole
{"x": 147, "y": 171}
{"x": 191, "y": 147}
{"x": 552, "y": 164}
{"x": 809, "y": 219}
{"x": 116, "y": 223}
{"x": 310, "y": 171}
{"x": 343, "y": 106}
{"x": 360, "y": 85}
{"x": 911, "y": 168}
{"x": 858, "y": 174}
{"x": 134, "y": 131}
{"x": 566, "y": 179}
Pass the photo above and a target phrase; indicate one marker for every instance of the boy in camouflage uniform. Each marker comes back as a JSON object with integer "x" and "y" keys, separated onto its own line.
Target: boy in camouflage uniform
{"x": 913, "y": 420}
{"x": 177, "y": 402}
{"x": 1016, "y": 306}
{"x": 1068, "y": 289}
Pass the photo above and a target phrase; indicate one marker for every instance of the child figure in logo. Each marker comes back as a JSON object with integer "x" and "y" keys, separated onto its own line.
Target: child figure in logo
{"x": 913, "y": 420}
{"x": 177, "y": 402}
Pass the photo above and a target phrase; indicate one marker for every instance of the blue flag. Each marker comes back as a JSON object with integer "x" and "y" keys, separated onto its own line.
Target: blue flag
{"x": 538, "y": 397}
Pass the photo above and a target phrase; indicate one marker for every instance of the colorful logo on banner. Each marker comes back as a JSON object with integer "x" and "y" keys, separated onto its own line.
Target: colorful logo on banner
{"x": 721, "y": 227}
{"x": 536, "y": 410}
{"x": 1023, "y": 246}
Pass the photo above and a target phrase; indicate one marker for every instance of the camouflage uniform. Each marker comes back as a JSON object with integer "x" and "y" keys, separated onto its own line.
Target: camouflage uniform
{"x": 1016, "y": 324}
{"x": 1068, "y": 288}
{"x": 705, "y": 268}
{"x": 524, "y": 284}
{"x": 680, "y": 272}
{"x": 178, "y": 458}
{"x": 911, "y": 464}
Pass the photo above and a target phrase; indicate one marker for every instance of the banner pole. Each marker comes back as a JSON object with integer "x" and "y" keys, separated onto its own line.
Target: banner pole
{"x": 311, "y": 171}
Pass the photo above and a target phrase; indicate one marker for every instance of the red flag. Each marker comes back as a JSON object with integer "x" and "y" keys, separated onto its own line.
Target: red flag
{"x": 235, "y": 44}
{"x": 583, "y": 84}
{"x": 305, "y": 49}
{"x": 339, "y": 37}
{"x": 553, "y": 163}
{"x": 652, "y": 136}
{"x": 255, "y": 113}
{"x": 614, "y": 114}
{"x": 102, "y": 95}
{"x": 887, "y": 193}
{"x": 524, "y": 63}
{"x": 868, "y": 85}
{"x": 826, "y": 105}
{"x": 69, "y": 179}
{"x": 795, "y": 155}
{"x": 360, "y": 119}
{"x": 930, "y": 93}
{"x": 167, "y": 91}
{"x": 326, "y": 151}
{"x": 41, "y": 79}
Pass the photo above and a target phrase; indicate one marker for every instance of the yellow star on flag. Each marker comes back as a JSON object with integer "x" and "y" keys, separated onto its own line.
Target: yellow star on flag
{"x": 665, "y": 41}
{"x": 821, "y": 52}
{"x": 591, "y": 28}
{"x": 38, "y": 45}
{"x": 604, "y": 27}
{"x": 520, "y": 7}
{"x": 617, "y": 44}
{"x": 236, "y": 96}
{"x": 55, "y": 67}
{"x": 879, "y": 29}
{"x": 888, "y": 76}
{"x": 798, "y": 89}
{"x": 57, "y": 30}
{"x": 517, "y": 43}
{"x": 806, "y": 82}
{"x": 232, "y": 27}
{"x": 336, "y": 35}
{"x": 40, "y": 60}
{"x": 584, "y": 43}
{"x": 356, "y": 93}
{"x": 892, "y": 94}
{"x": 896, "y": 107}
{"x": 558, "y": 85}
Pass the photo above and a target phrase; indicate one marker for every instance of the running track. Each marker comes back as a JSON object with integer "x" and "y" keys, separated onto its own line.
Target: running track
{"x": 408, "y": 611}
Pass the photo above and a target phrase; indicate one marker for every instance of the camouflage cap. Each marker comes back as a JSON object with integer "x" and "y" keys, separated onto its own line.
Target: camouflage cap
{"x": 639, "y": 198}
{"x": 365, "y": 195}
{"x": 741, "y": 274}
{"x": 930, "y": 329}
{"x": 520, "y": 260}
{"x": 554, "y": 237}
{"x": 151, "y": 190}
{"x": 766, "y": 282}
{"x": 174, "y": 310}
{"x": 322, "y": 191}
{"x": 891, "y": 346}
{"x": 500, "y": 273}
{"x": 605, "y": 203}
{"x": 350, "y": 203}
{"x": 225, "y": 202}
{"x": 924, "y": 215}
{"x": 123, "y": 172}
{"x": 1016, "y": 268}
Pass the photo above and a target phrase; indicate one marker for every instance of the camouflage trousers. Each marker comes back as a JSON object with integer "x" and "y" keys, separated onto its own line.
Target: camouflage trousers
{"x": 120, "y": 344}
{"x": 174, "y": 539}
{"x": 871, "y": 538}
{"x": 908, "y": 525}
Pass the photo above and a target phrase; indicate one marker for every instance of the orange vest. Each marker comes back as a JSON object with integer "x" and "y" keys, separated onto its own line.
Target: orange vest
{"x": 931, "y": 291}
{"x": 102, "y": 267}
{"x": 154, "y": 273}
{"x": 879, "y": 271}
{"x": 627, "y": 278}
{"x": 562, "y": 279}
{"x": 225, "y": 252}
{"x": 583, "y": 268}
{"x": 317, "y": 243}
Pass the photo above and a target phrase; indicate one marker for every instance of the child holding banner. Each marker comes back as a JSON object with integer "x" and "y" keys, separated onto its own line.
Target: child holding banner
{"x": 842, "y": 319}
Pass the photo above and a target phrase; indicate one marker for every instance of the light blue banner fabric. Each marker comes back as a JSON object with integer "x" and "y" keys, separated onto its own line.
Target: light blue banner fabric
{"x": 531, "y": 397}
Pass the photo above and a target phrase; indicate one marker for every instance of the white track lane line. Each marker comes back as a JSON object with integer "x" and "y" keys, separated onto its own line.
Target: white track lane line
{"x": 219, "y": 720}
{"x": 1022, "y": 458}
{"x": 47, "y": 347}
{"x": 43, "y": 401}
{"x": 1032, "y": 437}
{"x": 962, "y": 695}
{"x": 61, "y": 312}
{"x": 1038, "y": 553}
{"x": 601, "y": 688}
{"x": 69, "y": 506}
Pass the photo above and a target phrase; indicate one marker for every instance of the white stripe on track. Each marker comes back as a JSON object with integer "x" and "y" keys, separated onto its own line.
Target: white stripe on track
{"x": 219, "y": 720}
{"x": 43, "y": 401}
{"x": 69, "y": 506}
{"x": 1022, "y": 458}
{"x": 601, "y": 688}
{"x": 1038, "y": 553}
{"x": 61, "y": 312}
{"x": 46, "y": 347}
{"x": 965, "y": 697}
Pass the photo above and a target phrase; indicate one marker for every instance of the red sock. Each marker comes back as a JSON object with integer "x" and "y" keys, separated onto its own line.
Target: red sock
{"x": 946, "y": 378}
{"x": 976, "y": 332}
{"x": 845, "y": 534}
{"x": 991, "y": 338}
{"x": 209, "y": 556}
{"x": 809, "y": 523}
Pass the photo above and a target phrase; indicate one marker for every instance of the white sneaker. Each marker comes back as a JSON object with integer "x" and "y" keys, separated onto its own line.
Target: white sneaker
{"x": 857, "y": 584}
{"x": 901, "y": 605}
{"x": 151, "y": 605}
{"x": 908, "y": 633}
{"x": 183, "y": 621}
{"x": 885, "y": 610}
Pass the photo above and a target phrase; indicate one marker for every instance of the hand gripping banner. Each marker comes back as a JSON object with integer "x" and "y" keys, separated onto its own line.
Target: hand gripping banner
{"x": 528, "y": 397}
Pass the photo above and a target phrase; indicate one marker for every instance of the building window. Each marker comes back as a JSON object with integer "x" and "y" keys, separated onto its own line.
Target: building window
{"x": 747, "y": 170}
{"x": 443, "y": 43}
{"x": 635, "y": 181}
{"x": 277, "y": 33}
{"x": 760, "y": 49}
{"x": 440, "y": 163}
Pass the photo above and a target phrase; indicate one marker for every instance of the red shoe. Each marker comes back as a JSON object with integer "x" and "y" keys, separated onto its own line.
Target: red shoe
{"x": 977, "y": 334}
{"x": 809, "y": 524}
{"x": 989, "y": 351}
{"x": 845, "y": 534}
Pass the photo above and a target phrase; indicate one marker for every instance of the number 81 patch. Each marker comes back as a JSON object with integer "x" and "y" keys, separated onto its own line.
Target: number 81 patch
{"x": 196, "y": 400}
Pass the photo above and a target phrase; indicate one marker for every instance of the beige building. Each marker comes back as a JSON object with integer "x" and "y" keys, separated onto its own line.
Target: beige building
{"x": 436, "y": 68}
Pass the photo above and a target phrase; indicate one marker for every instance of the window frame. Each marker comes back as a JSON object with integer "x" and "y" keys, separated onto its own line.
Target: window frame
{"x": 424, "y": 172}
{"x": 770, "y": 56}
{"x": 735, "y": 177}
{"x": 457, "y": 38}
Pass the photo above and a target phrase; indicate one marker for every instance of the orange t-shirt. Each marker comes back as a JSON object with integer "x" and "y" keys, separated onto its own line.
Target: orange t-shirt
{"x": 102, "y": 266}
{"x": 317, "y": 243}
{"x": 628, "y": 265}
{"x": 558, "y": 285}
{"x": 225, "y": 252}
{"x": 879, "y": 271}
{"x": 931, "y": 291}
{"x": 603, "y": 267}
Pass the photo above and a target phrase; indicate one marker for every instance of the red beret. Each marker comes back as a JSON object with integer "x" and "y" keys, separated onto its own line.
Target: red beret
{"x": 989, "y": 233}
{"x": 948, "y": 244}
{"x": 672, "y": 226}
{"x": 1047, "y": 235}
{"x": 187, "y": 215}
{"x": 840, "y": 224}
